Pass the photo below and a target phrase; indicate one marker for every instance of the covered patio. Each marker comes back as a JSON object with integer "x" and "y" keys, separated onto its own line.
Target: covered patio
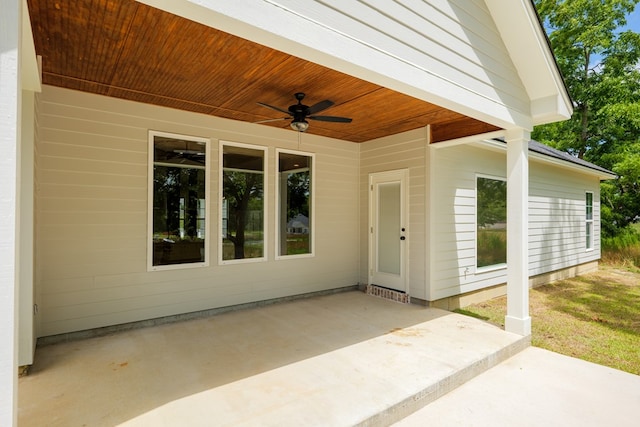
{"x": 85, "y": 85}
{"x": 340, "y": 359}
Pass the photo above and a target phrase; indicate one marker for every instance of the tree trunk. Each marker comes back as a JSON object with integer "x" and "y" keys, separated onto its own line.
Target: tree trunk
{"x": 584, "y": 109}
{"x": 238, "y": 241}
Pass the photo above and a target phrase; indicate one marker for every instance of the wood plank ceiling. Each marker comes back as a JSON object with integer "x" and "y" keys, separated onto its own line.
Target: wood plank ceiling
{"x": 133, "y": 51}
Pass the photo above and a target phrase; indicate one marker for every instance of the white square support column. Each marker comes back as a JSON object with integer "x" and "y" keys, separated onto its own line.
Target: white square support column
{"x": 25, "y": 231}
{"x": 517, "y": 319}
{"x": 10, "y": 91}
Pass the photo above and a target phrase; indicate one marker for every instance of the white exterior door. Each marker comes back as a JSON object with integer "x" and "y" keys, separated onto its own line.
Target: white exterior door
{"x": 388, "y": 229}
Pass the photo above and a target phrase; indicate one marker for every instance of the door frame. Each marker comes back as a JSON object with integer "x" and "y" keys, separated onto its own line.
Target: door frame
{"x": 401, "y": 176}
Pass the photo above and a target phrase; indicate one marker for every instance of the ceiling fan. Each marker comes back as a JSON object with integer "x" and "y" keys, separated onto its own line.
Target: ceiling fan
{"x": 300, "y": 112}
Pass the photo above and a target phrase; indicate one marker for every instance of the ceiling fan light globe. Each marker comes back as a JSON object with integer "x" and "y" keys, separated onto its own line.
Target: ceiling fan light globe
{"x": 300, "y": 126}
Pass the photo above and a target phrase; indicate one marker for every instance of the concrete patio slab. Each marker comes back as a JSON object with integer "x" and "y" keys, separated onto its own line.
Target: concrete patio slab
{"x": 342, "y": 359}
{"x": 538, "y": 388}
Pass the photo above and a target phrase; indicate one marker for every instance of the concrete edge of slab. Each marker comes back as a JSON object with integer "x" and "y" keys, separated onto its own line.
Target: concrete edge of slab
{"x": 108, "y": 330}
{"x": 419, "y": 400}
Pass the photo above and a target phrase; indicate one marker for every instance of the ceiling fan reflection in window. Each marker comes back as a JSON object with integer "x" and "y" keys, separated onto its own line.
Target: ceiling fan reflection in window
{"x": 300, "y": 112}
{"x": 179, "y": 152}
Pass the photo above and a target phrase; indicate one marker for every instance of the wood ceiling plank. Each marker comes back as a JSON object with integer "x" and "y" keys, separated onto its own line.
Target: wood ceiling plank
{"x": 278, "y": 87}
{"x": 133, "y": 51}
{"x": 183, "y": 59}
{"x": 81, "y": 39}
{"x": 459, "y": 128}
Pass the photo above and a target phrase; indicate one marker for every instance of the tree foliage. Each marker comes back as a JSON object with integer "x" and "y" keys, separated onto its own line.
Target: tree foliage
{"x": 599, "y": 62}
{"x": 241, "y": 191}
{"x": 298, "y": 189}
{"x": 492, "y": 202}
{"x": 176, "y": 191}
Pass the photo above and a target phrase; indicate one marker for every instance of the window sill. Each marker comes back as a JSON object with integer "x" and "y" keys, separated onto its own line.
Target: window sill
{"x": 490, "y": 268}
{"x": 281, "y": 257}
{"x": 177, "y": 266}
{"x": 241, "y": 261}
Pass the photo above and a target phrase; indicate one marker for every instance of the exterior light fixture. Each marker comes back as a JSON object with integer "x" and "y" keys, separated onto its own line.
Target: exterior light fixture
{"x": 299, "y": 125}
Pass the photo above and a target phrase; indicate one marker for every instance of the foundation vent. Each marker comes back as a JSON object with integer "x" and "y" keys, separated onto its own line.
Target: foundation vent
{"x": 390, "y": 294}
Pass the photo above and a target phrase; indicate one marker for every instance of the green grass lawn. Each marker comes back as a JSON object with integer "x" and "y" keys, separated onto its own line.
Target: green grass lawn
{"x": 595, "y": 317}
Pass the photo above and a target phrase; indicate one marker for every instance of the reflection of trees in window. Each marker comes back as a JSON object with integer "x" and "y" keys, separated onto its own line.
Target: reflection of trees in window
{"x": 243, "y": 203}
{"x": 294, "y": 171}
{"x": 491, "y": 217}
{"x": 298, "y": 194}
{"x": 589, "y": 219}
{"x": 179, "y": 201}
{"x": 243, "y": 195}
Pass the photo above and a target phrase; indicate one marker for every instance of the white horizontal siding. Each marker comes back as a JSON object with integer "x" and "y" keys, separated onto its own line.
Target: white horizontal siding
{"x": 453, "y": 263}
{"x": 92, "y": 216}
{"x": 453, "y": 39}
{"x": 403, "y": 151}
{"x": 556, "y": 218}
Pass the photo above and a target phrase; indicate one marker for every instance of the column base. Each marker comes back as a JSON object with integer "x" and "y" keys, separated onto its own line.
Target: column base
{"x": 517, "y": 325}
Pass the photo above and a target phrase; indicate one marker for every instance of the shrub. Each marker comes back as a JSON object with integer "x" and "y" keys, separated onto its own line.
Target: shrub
{"x": 622, "y": 249}
{"x": 492, "y": 247}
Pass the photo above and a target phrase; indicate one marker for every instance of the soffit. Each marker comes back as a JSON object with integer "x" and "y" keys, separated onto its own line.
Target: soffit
{"x": 129, "y": 50}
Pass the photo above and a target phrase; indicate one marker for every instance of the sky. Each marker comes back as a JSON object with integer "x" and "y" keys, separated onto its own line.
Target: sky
{"x": 633, "y": 23}
{"x": 633, "y": 20}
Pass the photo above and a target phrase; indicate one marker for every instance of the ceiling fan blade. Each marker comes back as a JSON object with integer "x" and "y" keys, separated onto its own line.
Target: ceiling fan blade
{"x": 274, "y": 108}
{"x": 322, "y": 105}
{"x": 331, "y": 119}
{"x": 273, "y": 120}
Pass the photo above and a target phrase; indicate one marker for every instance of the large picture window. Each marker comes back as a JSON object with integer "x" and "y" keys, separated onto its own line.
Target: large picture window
{"x": 242, "y": 208}
{"x": 178, "y": 200}
{"x": 295, "y": 203}
{"x": 491, "y": 218}
{"x": 589, "y": 220}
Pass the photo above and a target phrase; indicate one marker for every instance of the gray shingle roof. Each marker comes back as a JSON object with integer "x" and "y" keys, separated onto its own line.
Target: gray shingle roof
{"x": 540, "y": 148}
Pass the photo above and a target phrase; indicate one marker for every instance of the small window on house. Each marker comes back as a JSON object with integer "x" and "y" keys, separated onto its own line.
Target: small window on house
{"x": 589, "y": 220}
{"x": 491, "y": 218}
{"x": 242, "y": 207}
{"x": 178, "y": 200}
{"x": 295, "y": 203}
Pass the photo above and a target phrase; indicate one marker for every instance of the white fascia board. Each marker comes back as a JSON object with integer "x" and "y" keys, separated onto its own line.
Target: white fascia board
{"x": 280, "y": 28}
{"x": 549, "y": 109}
{"x": 468, "y": 139}
{"x": 525, "y": 39}
{"x": 30, "y": 68}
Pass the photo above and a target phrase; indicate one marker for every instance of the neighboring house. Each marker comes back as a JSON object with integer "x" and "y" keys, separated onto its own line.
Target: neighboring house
{"x": 299, "y": 224}
{"x": 136, "y": 120}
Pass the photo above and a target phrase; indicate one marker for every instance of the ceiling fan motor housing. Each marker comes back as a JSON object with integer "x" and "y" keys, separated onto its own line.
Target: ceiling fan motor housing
{"x": 299, "y": 111}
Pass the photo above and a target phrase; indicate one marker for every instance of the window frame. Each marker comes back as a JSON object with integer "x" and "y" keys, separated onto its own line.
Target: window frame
{"x": 265, "y": 175}
{"x": 150, "y": 199}
{"x": 312, "y": 209}
{"x": 589, "y": 227}
{"x": 492, "y": 267}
